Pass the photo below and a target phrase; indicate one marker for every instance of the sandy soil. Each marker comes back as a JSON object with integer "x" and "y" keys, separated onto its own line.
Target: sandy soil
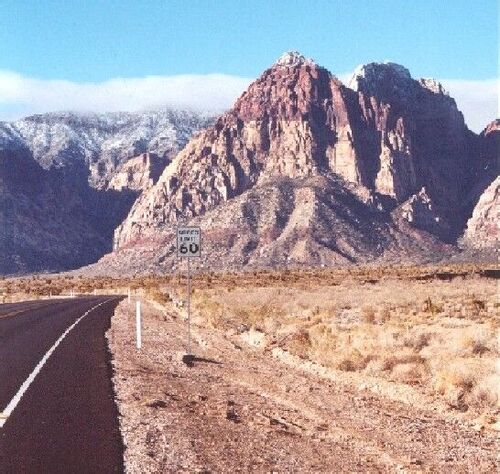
{"x": 239, "y": 409}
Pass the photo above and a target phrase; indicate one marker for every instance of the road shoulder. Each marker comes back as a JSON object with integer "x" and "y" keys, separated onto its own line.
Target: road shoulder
{"x": 240, "y": 409}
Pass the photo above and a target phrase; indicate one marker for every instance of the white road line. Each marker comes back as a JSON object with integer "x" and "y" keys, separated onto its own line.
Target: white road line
{"x": 17, "y": 397}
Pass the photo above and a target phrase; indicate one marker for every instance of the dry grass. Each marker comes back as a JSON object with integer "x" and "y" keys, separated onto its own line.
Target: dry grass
{"x": 439, "y": 336}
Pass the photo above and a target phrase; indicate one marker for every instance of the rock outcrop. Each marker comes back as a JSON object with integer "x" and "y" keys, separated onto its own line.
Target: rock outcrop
{"x": 483, "y": 228}
{"x": 139, "y": 173}
{"x": 421, "y": 212}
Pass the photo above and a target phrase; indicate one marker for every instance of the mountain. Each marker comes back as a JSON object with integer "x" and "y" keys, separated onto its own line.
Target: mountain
{"x": 304, "y": 170}
{"x": 68, "y": 180}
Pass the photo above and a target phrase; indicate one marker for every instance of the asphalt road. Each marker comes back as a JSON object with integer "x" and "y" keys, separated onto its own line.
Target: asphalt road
{"x": 64, "y": 418}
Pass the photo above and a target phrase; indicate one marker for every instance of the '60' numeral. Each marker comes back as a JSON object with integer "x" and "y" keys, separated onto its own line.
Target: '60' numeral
{"x": 193, "y": 248}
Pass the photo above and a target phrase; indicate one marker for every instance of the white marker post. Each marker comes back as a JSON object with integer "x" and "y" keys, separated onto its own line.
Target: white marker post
{"x": 138, "y": 327}
{"x": 188, "y": 246}
{"x": 129, "y": 296}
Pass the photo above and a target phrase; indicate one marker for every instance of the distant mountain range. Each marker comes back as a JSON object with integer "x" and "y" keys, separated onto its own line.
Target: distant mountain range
{"x": 60, "y": 195}
{"x": 302, "y": 171}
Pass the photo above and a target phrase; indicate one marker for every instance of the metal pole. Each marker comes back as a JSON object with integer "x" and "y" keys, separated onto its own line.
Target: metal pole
{"x": 189, "y": 304}
{"x": 138, "y": 324}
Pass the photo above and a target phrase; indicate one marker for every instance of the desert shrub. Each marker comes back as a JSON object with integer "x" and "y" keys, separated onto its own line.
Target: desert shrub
{"x": 475, "y": 344}
{"x": 409, "y": 372}
{"x": 384, "y": 315}
{"x": 454, "y": 383}
{"x": 389, "y": 361}
{"x": 299, "y": 343}
{"x": 478, "y": 304}
{"x": 368, "y": 314}
{"x": 486, "y": 394}
{"x": 431, "y": 307}
{"x": 324, "y": 343}
{"x": 474, "y": 306}
{"x": 417, "y": 341}
{"x": 158, "y": 295}
{"x": 210, "y": 311}
{"x": 352, "y": 361}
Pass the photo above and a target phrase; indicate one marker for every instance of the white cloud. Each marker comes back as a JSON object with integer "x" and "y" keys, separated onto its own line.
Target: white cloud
{"x": 478, "y": 100}
{"x": 21, "y": 95}
{"x": 344, "y": 77}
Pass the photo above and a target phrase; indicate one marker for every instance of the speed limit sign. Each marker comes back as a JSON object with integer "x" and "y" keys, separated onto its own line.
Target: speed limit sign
{"x": 188, "y": 242}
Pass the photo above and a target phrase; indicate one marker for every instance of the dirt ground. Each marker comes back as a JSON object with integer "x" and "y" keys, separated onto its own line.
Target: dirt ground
{"x": 245, "y": 407}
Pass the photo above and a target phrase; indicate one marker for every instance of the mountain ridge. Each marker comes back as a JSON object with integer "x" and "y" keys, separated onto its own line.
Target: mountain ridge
{"x": 382, "y": 170}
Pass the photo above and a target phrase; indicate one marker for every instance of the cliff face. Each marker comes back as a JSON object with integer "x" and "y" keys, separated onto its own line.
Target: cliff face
{"x": 139, "y": 173}
{"x": 393, "y": 136}
{"x": 425, "y": 145}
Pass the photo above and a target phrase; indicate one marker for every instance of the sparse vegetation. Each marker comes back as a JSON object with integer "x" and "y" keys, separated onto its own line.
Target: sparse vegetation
{"x": 436, "y": 335}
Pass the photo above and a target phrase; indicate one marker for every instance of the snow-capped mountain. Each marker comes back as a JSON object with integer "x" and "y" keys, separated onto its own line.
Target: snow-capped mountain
{"x": 101, "y": 142}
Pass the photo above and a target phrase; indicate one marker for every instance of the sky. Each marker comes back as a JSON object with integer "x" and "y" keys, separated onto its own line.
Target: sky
{"x": 131, "y": 55}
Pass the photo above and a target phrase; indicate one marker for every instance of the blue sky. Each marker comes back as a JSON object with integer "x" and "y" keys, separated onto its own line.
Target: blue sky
{"x": 91, "y": 41}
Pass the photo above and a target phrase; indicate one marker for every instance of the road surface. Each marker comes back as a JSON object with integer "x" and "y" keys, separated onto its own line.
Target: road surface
{"x": 57, "y": 409}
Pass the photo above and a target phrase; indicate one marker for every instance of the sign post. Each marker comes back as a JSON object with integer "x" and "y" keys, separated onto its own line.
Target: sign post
{"x": 188, "y": 246}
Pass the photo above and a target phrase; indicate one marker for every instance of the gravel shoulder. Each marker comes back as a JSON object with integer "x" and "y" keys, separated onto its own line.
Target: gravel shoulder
{"x": 239, "y": 409}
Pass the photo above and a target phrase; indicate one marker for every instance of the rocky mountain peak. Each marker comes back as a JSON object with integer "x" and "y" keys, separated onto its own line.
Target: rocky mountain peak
{"x": 297, "y": 121}
{"x": 369, "y": 78}
{"x": 288, "y": 90}
{"x": 293, "y": 58}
